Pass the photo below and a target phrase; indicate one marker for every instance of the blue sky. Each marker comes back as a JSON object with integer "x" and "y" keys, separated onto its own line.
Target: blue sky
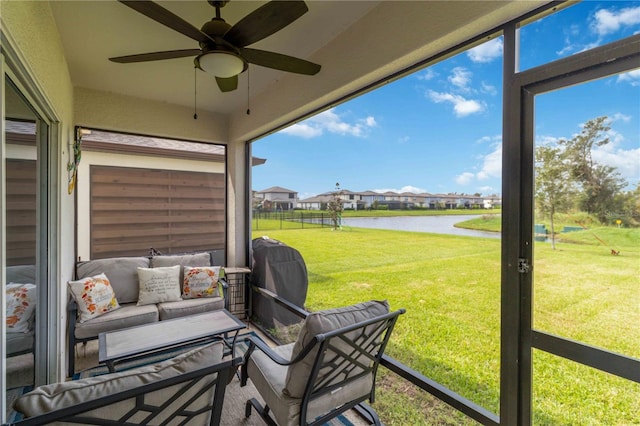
{"x": 439, "y": 129}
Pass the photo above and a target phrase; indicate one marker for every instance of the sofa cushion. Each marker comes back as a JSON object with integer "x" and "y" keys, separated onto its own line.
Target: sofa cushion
{"x": 65, "y": 394}
{"x": 94, "y": 296}
{"x": 19, "y": 342}
{"x": 323, "y": 322}
{"x": 20, "y": 301}
{"x": 200, "y": 281}
{"x": 196, "y": 259}
{"x": 121, "y": 271}
{"x": 170, "y": 310}
{"x": 23, "y": 274}
{"x": 128, "y": 315}
{"x": 159, "y": 285}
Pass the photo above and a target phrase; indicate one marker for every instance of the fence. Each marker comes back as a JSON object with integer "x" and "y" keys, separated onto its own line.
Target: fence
{"x": 292, "y": 219}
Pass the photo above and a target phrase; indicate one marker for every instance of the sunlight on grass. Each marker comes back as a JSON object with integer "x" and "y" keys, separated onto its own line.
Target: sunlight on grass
{"x": 450, "y": 287}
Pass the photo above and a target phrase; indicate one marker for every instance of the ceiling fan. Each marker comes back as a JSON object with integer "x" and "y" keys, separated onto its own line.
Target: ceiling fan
{"x": 223, "y": 50}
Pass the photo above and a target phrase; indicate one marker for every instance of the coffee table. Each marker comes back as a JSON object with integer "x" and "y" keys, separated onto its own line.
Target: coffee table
{"x": 143, "y": 340}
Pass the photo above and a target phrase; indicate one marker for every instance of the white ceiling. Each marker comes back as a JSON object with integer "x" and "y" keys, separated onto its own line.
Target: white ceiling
{"x": 356, "y": 42}
{"x": 93, "y": 31}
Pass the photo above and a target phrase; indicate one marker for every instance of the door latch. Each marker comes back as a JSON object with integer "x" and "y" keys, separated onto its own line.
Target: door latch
{"x": 523, "y": 265}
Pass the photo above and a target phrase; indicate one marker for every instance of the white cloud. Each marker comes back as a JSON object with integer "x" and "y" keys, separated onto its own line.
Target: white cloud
{"x": 627, "y": 162}
{"x": 488, "y": 88}
{"x": 403, "y": 139}
{"x": 465, "y": 178}
{"x": 632, "y": 77}
{"x": 607, "y": 21}
{"x": 330, "y": 121}
{"x": 492, "y": 164}
{"x": 460, "y": 77}
{"x": 486, "y": 52}
{"x": 487, "y": 189}
{"x": 618, "y": 116}
{"x": 406, "y": 188}
{"x": 461, "y": 106}
{"x": 303, "y": 130}
{"x": 427, "y": 75}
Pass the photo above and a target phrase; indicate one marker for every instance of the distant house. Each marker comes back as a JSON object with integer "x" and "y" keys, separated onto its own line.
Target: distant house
{"x": 406, "y": 200}
{"x": 276, "y": 198}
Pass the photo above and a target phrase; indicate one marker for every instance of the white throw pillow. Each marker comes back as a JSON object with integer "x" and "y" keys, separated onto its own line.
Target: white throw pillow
{"x": 21, "y": 305}
{"x": 94, "y": 296}
{"x": 159, "y": 285}
{"x": 200, "y": 281}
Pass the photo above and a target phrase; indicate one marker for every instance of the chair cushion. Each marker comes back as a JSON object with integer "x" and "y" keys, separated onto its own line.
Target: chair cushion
{"x": 23, "y": 274}
{"x": 128, "y": 315}
{"x": 65, "y": 394}
{"x": 121, "y": 271}
{"x": 182, "y": 308}
{"x": 19, "y": 342}
{"x": 269, "y": 379}
{"x": 322, "y": 322}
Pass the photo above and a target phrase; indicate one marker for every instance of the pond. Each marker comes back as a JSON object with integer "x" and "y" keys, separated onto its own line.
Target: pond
{"x": 433, "y": 224}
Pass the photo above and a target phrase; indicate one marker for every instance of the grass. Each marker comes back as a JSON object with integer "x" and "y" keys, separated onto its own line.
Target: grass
{"x": 450, "y": 287}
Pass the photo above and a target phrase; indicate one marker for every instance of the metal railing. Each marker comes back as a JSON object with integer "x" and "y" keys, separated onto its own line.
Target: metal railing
{"x": 289, "y": 219}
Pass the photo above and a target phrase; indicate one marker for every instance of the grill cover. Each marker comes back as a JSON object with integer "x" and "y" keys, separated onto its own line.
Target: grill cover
{"x": 280, "y": 269}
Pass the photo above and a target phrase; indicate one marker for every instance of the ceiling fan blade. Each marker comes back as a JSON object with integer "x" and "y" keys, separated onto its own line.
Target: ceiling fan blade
{"x": 279, "y": 61}
{"x": 227, "y": 84}
{"x": 264, "y": 21}
{"x": 160, "y": 14}
{"x": 155, "y": 56}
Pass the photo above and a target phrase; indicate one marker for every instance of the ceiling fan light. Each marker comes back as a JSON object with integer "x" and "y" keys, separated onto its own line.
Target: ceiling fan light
{"x": 221, "y": 64}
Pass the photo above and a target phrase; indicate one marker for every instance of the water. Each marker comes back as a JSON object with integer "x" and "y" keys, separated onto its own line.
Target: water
{"x": 433, "y": 224}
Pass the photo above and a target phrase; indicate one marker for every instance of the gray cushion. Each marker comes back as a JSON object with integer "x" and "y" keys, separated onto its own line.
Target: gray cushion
{"x": 128, "y": 315}
{"x": 122, "y": 273}
{"x": 59, "y": 395}
{"x": 197, "y": 259}
{"x": 169, "y": 310}
{"x": 19, "y": 342}
{"x": 269, "y": 379}
{"x": 21, "y": 274}
{"x": 323, "y": 322}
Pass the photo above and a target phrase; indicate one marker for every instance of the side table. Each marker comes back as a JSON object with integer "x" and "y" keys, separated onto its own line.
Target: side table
{"x": 238, "y": 279}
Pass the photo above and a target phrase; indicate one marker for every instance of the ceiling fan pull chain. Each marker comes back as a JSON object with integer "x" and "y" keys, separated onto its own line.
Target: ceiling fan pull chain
{"x": 195, "y": 93}
{"x": 248, "y": 90}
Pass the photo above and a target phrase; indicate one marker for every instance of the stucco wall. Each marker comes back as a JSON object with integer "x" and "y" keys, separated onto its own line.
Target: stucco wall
{"x": 110, "y": 111}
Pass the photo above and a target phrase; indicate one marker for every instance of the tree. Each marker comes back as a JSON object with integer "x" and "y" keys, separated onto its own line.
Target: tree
{"x": 335, "y": 207}
{"x": 599, "y": 183}
{"x": 554, "y": 189}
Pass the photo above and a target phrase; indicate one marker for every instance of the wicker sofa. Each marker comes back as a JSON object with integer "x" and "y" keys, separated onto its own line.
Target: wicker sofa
{"x": 123, "y": 277}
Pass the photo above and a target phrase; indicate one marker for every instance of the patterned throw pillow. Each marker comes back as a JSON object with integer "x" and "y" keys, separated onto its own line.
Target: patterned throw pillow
{"x": 21, "y": 305}
{"x": 200, "y": 281}
{"x": 159, "y": 285}
{"x": 94, "y": 296}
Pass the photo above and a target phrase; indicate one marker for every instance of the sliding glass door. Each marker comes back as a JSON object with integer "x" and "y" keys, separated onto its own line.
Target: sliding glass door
{"x": 24, "y": 232}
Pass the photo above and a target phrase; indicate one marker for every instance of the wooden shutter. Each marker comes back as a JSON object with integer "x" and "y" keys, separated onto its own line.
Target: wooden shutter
{"x": 134, "y": 210}
{"x": 21, "y": 212}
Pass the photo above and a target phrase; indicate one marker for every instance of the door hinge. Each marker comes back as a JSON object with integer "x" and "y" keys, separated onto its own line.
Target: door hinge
{"x": 523, "y": 265}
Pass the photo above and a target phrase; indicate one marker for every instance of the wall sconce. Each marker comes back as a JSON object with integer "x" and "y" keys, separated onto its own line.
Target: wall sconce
{"x": 74, "y": 162}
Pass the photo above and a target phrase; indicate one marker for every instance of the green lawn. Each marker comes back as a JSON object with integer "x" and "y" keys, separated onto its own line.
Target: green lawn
{"x": 450, "y": 287}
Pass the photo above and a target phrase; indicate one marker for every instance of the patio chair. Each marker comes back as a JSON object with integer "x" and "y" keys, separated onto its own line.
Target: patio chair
{"x": 187, "y": 389}
{"x": 330, "y": 369}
